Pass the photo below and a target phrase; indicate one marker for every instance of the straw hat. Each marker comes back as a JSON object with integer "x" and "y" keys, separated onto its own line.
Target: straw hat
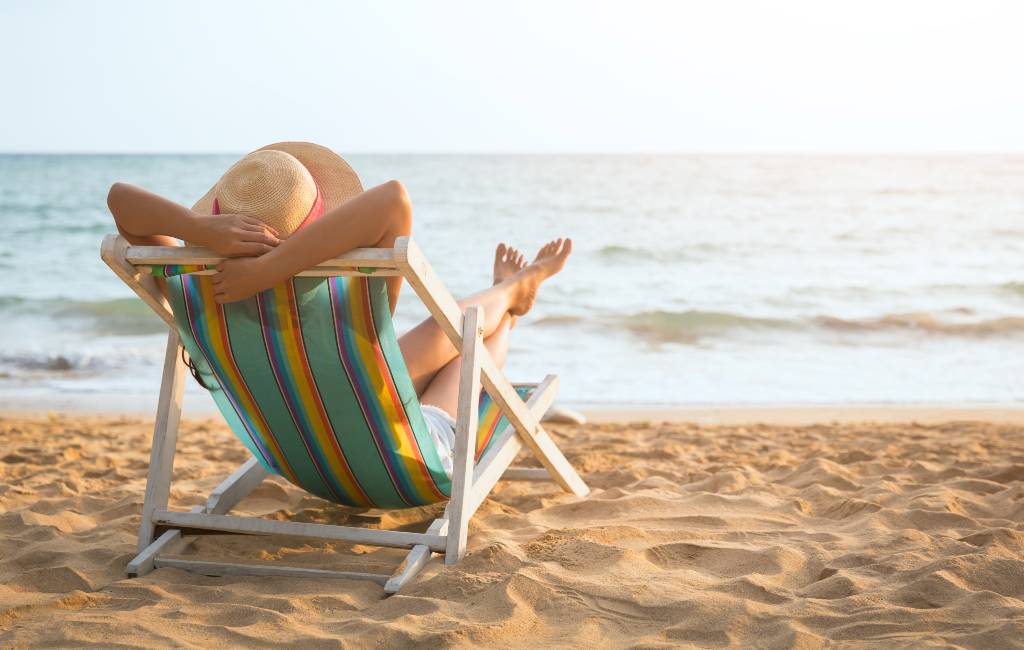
{"x": 284, "y": 185}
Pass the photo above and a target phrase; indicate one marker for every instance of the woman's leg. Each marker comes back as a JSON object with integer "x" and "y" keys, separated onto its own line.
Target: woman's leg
{"x": 426, "y": 347}
{"x": 443, "y": 390}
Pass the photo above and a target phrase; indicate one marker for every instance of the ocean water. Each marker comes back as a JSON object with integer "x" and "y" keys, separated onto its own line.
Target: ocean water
{"x": 695, "y": 279}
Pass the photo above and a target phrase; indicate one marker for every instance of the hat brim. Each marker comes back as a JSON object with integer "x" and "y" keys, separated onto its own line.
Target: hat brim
{"x": 337, "y": 180}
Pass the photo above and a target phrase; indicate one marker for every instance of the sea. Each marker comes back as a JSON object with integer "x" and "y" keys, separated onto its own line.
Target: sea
{"x": 694, "y": 280}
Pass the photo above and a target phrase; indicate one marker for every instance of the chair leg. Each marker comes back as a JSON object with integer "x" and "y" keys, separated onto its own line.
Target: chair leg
{"x": 465, "y": 435}
{"x": 416, "y": 559}
{"x": 171, "y": 541}
{"x": 225, "y": 496}
{"x": 165, "y": 439}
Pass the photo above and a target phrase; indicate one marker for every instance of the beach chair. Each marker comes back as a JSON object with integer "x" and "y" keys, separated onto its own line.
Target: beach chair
{"x": 310, "y": 377}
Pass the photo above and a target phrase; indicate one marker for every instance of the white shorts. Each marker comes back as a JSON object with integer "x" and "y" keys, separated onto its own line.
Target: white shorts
{"x": 442, "y": 429}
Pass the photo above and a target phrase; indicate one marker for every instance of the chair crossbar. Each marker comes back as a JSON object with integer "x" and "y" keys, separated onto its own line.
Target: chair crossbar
{"x": 161, "y": 255}
{"x": 315, "y": 272}
{"x": 495, "y": 463}
{"x": 170, "y": 541}
{"x": 196, "y": 521}
{"x": 235, "y": 487}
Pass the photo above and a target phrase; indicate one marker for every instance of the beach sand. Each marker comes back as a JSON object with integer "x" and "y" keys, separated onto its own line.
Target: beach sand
{"x": 709, "y": 535}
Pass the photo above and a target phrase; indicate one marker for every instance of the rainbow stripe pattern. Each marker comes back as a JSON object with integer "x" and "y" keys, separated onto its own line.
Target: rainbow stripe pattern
{"x": 171, "y": 270}
{"x": 310, "y": 377}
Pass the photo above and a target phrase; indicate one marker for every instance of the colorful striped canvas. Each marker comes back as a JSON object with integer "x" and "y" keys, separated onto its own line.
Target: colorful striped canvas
{"x": 170, "y": 270}
{"x": 309, "y": 375}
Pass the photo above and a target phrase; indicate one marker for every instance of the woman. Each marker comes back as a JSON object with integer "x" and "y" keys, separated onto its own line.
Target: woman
{"x": 290, "y": 206}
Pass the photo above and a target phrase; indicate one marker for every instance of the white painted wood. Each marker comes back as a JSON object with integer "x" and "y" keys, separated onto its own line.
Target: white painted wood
{"x": 415, "y": 560}
{"x": 561, "y": 470}
{"x": 543, "y": 396}
{"x": 113, "y": 251}
{"x": 504, "y": 450}
{"x": 257, "y": 526}
{"x": 502, "y": 392}
{"x": 315, "y": 272}
{"x": 413, "y": 564}
{"x": 375, "y": 257}
{"x": 236, "y": 487}
{"x": 213, "y": 568}
{"x": 431, "y": 291}
{"x": 465, "y": 434}
{"x": 165, "y": 438}
{"x": 445, "y": 310}
{"x": 527, "y": 425}
{"x": 493, "y": 465}
{"x": 526, "y": 474}
{"x": 171, "y": 541}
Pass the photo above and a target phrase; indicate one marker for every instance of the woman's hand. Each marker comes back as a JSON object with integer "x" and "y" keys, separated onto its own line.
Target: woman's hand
{"x": 240, "y": 278}
{"x": 234, "y": 235}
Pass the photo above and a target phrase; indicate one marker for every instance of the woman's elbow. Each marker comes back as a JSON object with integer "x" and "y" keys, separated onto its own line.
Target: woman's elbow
{"x": 397, "y": 193}
{"x": 115, "y": 197}
{"x": 399, "y": 199}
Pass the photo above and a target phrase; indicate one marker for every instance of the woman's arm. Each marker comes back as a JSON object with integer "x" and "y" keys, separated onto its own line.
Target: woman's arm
{"x": 147, "y": 219}
{"x": 374, "y": 219}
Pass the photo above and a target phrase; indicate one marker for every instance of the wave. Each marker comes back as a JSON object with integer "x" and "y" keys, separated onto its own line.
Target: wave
{"x": 130, "y": 317}
{"x": 45, "y": 361}
{"x": 927, "y": 323}
{"x": 115, "y": 316}
{"x": 620, "y": 253}
{"x": 691, "y": 326}
{"x": 1015, "y": 288}
{"x": 36, "y": 229}
{"x": 95, "y": 360}
{"x": 559, "y": 320}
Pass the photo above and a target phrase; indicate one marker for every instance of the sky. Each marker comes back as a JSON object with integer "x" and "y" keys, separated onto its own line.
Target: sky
{"x": 802, "y": 76}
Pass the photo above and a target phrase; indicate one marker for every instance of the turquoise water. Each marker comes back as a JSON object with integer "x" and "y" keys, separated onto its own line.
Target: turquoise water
{"x": 695, "y": 279}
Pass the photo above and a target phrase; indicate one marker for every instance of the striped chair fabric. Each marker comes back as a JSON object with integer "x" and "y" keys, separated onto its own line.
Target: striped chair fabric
{"x": 310, "y": 377}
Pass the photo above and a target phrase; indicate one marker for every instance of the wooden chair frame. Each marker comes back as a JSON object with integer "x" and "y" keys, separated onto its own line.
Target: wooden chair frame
{"x": 163, "y": 531}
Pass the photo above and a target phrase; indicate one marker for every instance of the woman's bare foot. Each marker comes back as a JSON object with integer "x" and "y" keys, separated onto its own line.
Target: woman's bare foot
{"x": 507, "y": 262}
{"x": 549, "y": 261}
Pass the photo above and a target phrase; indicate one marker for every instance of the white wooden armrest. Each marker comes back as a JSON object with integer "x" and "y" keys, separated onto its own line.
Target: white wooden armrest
{"x": 144, "y": 255}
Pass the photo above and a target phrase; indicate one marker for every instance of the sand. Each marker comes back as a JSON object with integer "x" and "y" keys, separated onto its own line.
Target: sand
{"x": 883, "y": 535}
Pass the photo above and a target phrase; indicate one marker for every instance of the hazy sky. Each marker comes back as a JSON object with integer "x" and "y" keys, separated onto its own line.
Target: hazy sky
{"x": 716, "y": 75}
